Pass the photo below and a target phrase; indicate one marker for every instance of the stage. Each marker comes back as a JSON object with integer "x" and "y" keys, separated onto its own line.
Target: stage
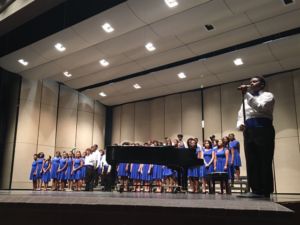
{"x": 46, "y": 207}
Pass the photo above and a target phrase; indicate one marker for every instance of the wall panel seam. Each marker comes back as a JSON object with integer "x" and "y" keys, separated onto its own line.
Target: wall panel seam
{"x": 15, "y": 137}
{"x": 93, "y": 122}
{"x": 295, "y": 103}
{"x": 78, "y": 96}
{"x": 57, "y": 116}
{"x": 39, "y": 121}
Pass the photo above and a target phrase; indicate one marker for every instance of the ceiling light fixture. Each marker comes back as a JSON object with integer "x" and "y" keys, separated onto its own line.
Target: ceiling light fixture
{"x": 107, "y": 28}
{"x": 209, "y": 27}
{"x": 104, "y": 62}
{"x": 67, "y": 74}
{"x": 102, "y": 94}
{"x": 171, "y": 3}
{"x": 60, "y": 47}
{"x": 137, "y": 86}
{"x": 181, "y": 75}
{"x": 150, "y": 47}
{"x": 23, "y": 62}
{"x": 238, "y": 61}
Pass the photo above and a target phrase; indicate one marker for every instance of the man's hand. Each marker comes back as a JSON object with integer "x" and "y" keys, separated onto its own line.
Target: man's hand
{"x": 242, "y": 127}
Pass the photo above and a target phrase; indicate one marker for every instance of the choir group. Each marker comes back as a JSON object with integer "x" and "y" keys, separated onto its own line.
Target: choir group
{"x": 77, "y": 170}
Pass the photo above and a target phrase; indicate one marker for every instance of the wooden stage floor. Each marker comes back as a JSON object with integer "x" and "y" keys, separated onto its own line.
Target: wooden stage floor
{"x": 170, "y": 208}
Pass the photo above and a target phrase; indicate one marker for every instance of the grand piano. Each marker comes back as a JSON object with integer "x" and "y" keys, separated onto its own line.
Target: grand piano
{"x": 179, "y": 159}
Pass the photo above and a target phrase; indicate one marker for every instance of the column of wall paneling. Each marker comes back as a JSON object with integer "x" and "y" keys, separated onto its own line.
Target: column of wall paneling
{"x": 212, "y": 112}
{"x": 287, "y": 157}
{"x": 142, "y": 122}
{"x": 173, "y": 116}
{"x": 191, "y": 115}
{"x": 53, "y": 117}
{"x": 67, "y": 119}
{"x": 157, "y": 119}
{"x": 27, "y": 132}
{"x": 48, "y": 117}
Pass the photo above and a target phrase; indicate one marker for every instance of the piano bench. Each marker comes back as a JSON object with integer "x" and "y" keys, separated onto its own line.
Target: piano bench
{"x": 222, "y": 177}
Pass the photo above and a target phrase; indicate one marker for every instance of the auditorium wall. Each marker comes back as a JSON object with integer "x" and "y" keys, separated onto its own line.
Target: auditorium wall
{"x": 182, "y": 113}
{"x": 53, "y": 117}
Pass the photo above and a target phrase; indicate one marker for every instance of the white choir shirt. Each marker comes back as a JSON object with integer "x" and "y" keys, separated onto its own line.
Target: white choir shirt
{"x": 103, "y": 163}
{"x": 260, "y": 106}
{"x": 89, "y": 160}
{"x": 96, "y": 156}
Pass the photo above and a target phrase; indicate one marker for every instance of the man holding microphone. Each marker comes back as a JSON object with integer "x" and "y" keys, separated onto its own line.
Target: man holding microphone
{"x": 255, "y": 119}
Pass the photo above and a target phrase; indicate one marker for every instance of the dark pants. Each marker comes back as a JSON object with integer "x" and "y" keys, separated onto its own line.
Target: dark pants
{"x": 259, "y": 152}
{"x": 96, "y": 177}
{"x": 89, "y": 172}
{"x": 106, "y": 180}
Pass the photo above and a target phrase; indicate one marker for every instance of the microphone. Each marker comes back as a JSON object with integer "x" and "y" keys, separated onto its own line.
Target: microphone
{"x": 244, "y": 86}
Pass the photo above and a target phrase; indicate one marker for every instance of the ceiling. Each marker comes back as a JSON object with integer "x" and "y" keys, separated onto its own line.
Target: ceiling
{"x": 177, "y": 33}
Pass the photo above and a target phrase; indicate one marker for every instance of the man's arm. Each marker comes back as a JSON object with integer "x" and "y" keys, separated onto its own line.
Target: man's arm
{"x": 240, "y": 122}
{"x": 262, "y": 104}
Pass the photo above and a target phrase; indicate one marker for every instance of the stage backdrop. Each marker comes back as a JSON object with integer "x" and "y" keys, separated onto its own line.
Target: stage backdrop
{"x": 182, "y": 113}
{"x": 53, "y": 117}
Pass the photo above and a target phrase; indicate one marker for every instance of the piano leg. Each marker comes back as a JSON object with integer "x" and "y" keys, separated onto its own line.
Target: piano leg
{"x": 184, "y": 179}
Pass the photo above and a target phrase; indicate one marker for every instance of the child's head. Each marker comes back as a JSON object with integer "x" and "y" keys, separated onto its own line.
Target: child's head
{"x": 57, "y": 153}
{"x": 225, "y": 140}
{"x": 220, "y": 143}
{"x": 207, "y": 144}
{"x": 35, "y": 156}
{"x": 41, "y": 155}
{"x": 231, "y": 137}
{"x": 64, "y": 154}
{"x": 77, "y": 154}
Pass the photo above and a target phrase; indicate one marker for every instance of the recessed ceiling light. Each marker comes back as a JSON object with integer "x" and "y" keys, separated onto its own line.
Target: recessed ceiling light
{"x": 287, "y": 2}
{"x": 67, "y": 74}
{"x": 60, "y": 47}
{"x": 104, "y": 62}
{"x": 201, "y": 86}
{"x": 150, "y": 47}
{"x": 102, "y": 94}
{"x": 238, "y": 61}
{"x": 171, "y": 3}
{"x": 137, "y": 86}
{"x": 23, "y": 62}
{"x": 107, "y": 28}
{"x": 181, "y": 75}
{"x": 209, "y": 27}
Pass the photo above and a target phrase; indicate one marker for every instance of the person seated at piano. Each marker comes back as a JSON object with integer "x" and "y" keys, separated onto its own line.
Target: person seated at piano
{"x": 175, "y": 143}
{"x": 181, "y": 143}
{"x": 208, "y": 158}
{"x": 194, "y": 173}
{"x": 221, "y": 158}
